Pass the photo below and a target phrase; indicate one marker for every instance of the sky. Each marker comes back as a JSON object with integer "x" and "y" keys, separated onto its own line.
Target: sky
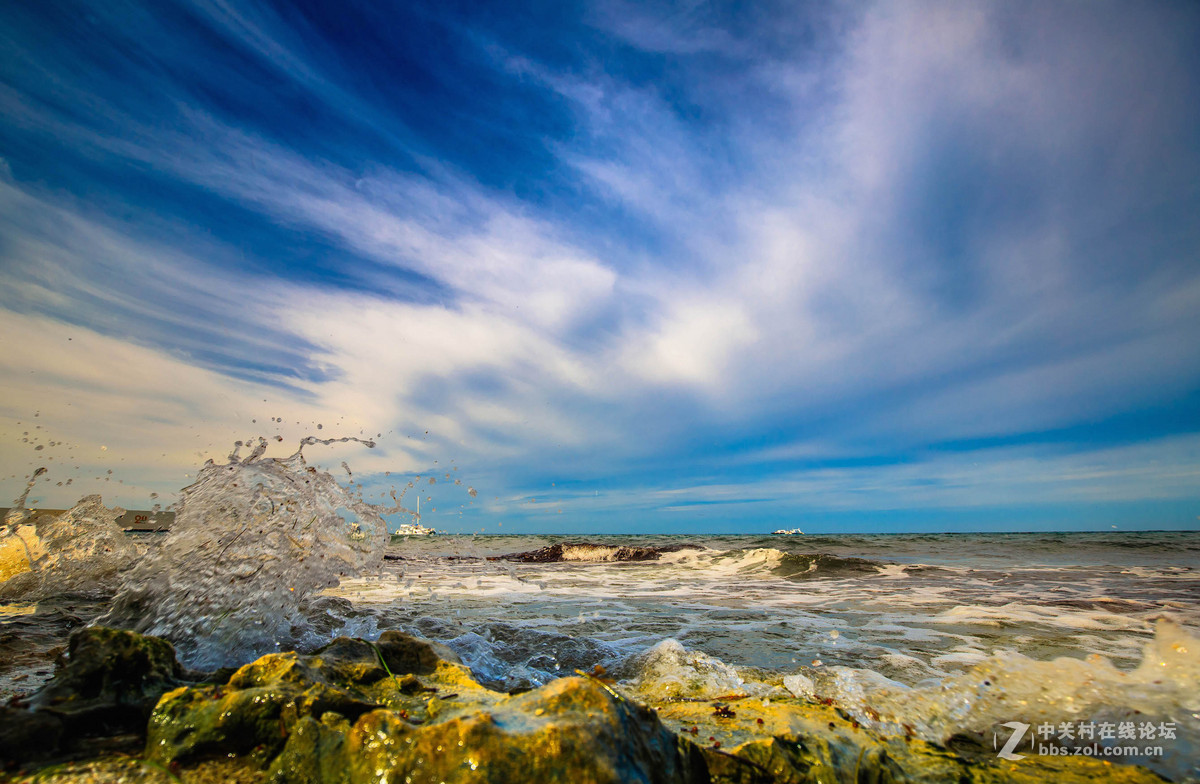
{"x": 619, "y": 267}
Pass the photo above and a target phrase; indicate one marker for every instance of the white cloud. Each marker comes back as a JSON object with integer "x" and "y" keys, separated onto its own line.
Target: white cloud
{"x": 791, "y": 278}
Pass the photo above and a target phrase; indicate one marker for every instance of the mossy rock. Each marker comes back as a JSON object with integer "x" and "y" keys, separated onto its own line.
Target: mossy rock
{"x": 573, "y": 730}
{"x": 354, "y": 708}
{"x": 258, "y": 708}
{"x": 109, "y": 681}
{"x": 799, "y": 741}
{"x": 107, "y": 684}
{"x": 356, "y": 711}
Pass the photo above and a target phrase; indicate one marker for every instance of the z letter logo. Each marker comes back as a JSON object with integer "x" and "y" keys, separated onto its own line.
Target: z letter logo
{"x": 1019, "y": 730}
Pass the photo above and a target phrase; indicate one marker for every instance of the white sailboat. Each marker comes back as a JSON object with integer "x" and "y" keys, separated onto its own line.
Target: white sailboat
{"x": 415, "y": 528}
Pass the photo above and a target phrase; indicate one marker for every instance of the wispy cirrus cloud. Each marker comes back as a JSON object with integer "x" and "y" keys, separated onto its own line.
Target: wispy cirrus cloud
{"x": 703, "y": 248}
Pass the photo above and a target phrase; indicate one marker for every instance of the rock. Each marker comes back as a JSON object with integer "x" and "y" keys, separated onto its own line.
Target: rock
{"x": 354, "y": 711}
{"x": 403, "y": 710}
{"x": 109, "y": 681}
{"x": 27, "y": 735}
{"x": 788, "y": 741}
{"x": 573, "y": 730}
{"x": 587, "y": 551}
{"x": 257, "y": 710}
{"x": 107, "y": 684}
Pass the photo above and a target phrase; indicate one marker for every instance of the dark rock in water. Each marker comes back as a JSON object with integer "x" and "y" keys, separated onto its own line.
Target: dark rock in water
{"x": 109, "y": 681}
{"x": 586, "y": 551}
{"x": 107, "y": 684}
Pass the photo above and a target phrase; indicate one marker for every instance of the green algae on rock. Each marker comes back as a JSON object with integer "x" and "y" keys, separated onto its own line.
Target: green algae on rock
{"x": 341, "y": 715}
{"x": 256, "y": 710}
{"x": 571, "y": 730}
{"x": 111, "y": 675}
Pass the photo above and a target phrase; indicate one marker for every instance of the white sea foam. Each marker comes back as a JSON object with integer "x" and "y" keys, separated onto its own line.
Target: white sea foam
{"x": 669, "y": 671}
{"x": 1164, "y": 689}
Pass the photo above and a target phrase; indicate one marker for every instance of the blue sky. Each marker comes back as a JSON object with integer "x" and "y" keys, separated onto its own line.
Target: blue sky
{"x": 618, "y": 266}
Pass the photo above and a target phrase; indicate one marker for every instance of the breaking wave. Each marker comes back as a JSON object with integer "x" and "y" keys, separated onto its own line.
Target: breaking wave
{"x": 1163, "y": 689}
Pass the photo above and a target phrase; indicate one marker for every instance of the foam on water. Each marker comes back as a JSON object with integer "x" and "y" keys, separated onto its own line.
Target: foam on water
{"x": 978, "y": 702}
{"x": 668, "y": 671}
{"x": 252, "y": 540}
{"x": 1164, "y": 688}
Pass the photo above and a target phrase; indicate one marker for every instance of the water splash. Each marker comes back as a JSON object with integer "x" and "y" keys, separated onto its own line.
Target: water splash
{"x": 253, "y": 539}
{"x": 79, "y": 552}
{"x": 19, "y": 544}
{"x": 18, "y": 514}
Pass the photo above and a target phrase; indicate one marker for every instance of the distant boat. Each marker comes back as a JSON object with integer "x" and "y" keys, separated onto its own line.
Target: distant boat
{"x": 414, "y": 529}
{"x": 788, "y": 531}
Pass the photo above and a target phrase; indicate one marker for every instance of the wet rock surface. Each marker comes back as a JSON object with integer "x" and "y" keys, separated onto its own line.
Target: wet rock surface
{"x": 404, "y": 709}
{"x": 106, "y": 685}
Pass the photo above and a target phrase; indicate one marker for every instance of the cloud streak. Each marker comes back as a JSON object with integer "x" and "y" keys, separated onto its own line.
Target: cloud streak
{"x": 816, "y": 260}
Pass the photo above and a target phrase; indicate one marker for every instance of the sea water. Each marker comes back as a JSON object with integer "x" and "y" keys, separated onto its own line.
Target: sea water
{"x": 935, "y": 635}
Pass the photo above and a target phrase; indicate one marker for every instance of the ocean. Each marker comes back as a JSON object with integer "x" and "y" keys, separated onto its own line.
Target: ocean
{"x": 909, "y": 606}
{"x": 928, "y": 634}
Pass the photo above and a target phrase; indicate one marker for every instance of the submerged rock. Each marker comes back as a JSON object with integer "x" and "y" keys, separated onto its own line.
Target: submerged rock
{"x": 587, "y": 551}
